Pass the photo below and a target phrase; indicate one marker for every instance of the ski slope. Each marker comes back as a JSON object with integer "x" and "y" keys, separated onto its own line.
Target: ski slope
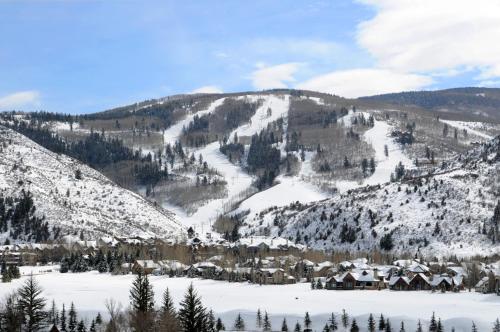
{"x": 471, "y": 127}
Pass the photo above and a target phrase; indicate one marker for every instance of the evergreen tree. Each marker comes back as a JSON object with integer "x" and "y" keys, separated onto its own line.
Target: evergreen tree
{"x": 371, "y": 323}
{"x": 307, "y": 322}
{"x": 297, "y": 327}
{"x": 98, "y": 319}
{"x": 192, "y": 314}
{"x": 381, "y": 323}
{"x": 402, "y": 329}
{"x": 210, "y": 322}
{"x": 419, "y": 326}
{"x": 439, "y": 326}
{"x": 326, "y": 328}
{"x": 239, "y": 323}
{"x": 81, "y": 327}
{"x": 333, "y": 323}
{"x": 141, "y": 294}
{"x": 284, "y": 326}
{"x": 168, "y": 303}
{"x": 258, "y": 321}
{"x": 474, "y": 328}
{"x": 354, "y": 326}
{"x": 63, "y": 319}
{"x": 319, "y": 285}
{"x": 433, "y": 323}
{"x": 388, "y": 327}
{"x": 267, "y": 322}
{"x": 219, "y": 326}
{"x": 72, "y": 318}
{"x": 32, "y": 305}
{"x": 344, "y": 318}
{"x": 92, "y": 327}
{"x": 496, "y": 326}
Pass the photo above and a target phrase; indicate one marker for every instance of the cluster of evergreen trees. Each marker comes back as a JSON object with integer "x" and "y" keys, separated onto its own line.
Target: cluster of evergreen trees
{"x": 109, "y": 262}
{"x": 17, "y": 215}
{"x": 9, "y": 272}
{"x": 263, "y": 158}
{"x": 96, "y": 150}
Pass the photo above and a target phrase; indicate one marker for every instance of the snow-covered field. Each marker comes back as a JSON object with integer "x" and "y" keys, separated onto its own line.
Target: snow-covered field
{"x": 471, "y": 127}
{"x": 90, "y": 290}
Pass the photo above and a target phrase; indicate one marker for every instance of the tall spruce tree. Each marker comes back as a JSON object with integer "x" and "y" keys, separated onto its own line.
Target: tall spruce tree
{"x": 63, "y": 319}
{"x": 192, "y": 315}
{"x": 433, "y": 323}
{"x": 284, "y": 326}
{"x": 72, "y": 318}
{"x": 344, "y": 318}
{"x": 307, "y": 323}
{"x": 239, "y": 323}
{"x": 267, "y": 323}
{"x": 258, "y": 319}
{"x": 381, "y": 323}
{"x": 32, "y": 305}
{"x": 354, "y": 326}
{"x": 371, "y": 323}
{"x": 332, "y": 323}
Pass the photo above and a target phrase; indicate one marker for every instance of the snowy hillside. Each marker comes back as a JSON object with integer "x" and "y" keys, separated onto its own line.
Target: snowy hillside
{"x": 75, "y": 198}
{"x": 447, "y": 213}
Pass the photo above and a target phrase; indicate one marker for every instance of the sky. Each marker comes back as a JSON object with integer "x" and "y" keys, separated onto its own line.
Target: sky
{"x": 82, "y": 56}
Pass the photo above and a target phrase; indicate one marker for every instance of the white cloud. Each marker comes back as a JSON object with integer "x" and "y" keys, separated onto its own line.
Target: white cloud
{"x": 364, "y": 82}
{"x": 208, "y": 89}
{"x": 274, "y": 76}
{"x": 434, "y": 35}
{"x": 20, "y": 100}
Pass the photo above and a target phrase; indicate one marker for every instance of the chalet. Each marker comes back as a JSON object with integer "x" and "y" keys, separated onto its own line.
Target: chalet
{"x": 399, "y": 283}
{"x": 417, "y": 268}
{"x": 270, "y": 276}
{"x": 144, "y": 266}
{"x": 443, "y": 282}
{"x": 321, "y": 269}
{"x": 420, "y": 282}
{"x": 203, "y": 269}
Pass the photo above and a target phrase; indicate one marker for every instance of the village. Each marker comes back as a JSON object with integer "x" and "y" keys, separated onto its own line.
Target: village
{"x": 258, "y": 260}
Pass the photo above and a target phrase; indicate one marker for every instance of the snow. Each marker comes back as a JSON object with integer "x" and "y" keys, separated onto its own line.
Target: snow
{"x": 94, "y": 204}
{"x": 471, "y": 127}
{"x": 90, "y": 290}
{"x": 173, "y": 133}
{"x": 378, "y": 136}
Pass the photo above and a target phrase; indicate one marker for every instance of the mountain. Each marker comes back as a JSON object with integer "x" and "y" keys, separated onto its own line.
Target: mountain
{"x": 48, "y": 196}
{"x": 259, "y": 163}
{"x": 469, "y": 103}
{"x": 448, "y": 211}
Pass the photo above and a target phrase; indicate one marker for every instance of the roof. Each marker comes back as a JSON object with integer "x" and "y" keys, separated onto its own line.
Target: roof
{"x": 395, "y": 279}
{"x": 442, "y": 278}
{"x": 423, "y": 276}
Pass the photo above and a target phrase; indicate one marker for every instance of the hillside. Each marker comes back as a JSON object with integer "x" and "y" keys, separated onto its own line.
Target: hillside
{"x": 446, "y": 212}
{"x": 229, "y": 162}
{"x": 73, "y": 199}
{"x": 481, "y": 104}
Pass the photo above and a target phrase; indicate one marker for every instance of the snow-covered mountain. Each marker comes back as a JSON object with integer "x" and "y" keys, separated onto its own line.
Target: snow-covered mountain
{"x": 446, "y": 212}
{"x": 74, "y": 198}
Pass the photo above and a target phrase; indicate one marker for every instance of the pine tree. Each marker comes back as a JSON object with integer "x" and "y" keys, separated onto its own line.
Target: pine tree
{"x": 32, "y": 304}
{"x": 210, "y": 322}
{"x": 98, "y": 319}
{"x": 344, "y": 318}
{"x": 333, "y": 323}
{"x": 141, "y": 294}
{"x": 168, "y": 303}
{"x": 319, "y": 285}
{"x": 219, "y": 326}
{"x": 496, "y": 326}
{"x": 297, "y": 327}
{"x": 433, "y": 323}
{"x": 239, "y": 323}
{"x": 72, "y": 322}
{"x": 402, "y": 329}
{"x": 439, "y": 327}
{"x": 419, "y": 326}
{"x": 354, "y": 326}
{"x": 63, "y": 319}
{"x": 474, "y": 328}
{"x": 192, "y": 314}
{"x": 326, "y": 328}
{"x": 388, "y": 327}
{"x": 258, "y": 320}
{"x": 284, "y": 326}
{"x": 307, "y": 322}
{"x": 92, "y": 326}
{"x": 371, "y": 323}
{"x": 381, "y": 323}
{"x": 81, "y": 327}
{"x": 267, "y": 322}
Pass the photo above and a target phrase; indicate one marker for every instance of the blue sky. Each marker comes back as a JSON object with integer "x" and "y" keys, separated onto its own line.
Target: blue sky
{"x": 87, "y": 56}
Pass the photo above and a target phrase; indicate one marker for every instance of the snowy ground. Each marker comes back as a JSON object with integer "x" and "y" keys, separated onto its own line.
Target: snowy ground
{"x": 378, "y": 137}
{"x": 90, "y": 290}
{"x": 471, "y": 127}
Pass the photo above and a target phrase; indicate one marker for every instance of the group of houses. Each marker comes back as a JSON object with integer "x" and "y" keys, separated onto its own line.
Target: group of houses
{"x": 403, "y": 275}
